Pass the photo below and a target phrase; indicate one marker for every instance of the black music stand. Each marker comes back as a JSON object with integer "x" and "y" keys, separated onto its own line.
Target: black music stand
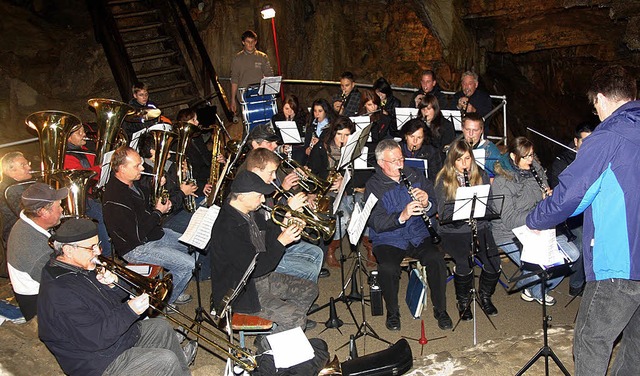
{"x": 493, "y": 206}
{"x": 545, "y": 351}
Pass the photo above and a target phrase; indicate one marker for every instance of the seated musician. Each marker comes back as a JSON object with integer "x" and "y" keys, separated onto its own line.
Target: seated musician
{"x": 28, "y": 248}
{"x": 473, "y": 133}
{"x": 470, "y": 98}
{"x": 198, "y": 153}
{"x": 140, "y": 100}
{"x": 416, "y": 144}
{"x": 136, "y": 228}
{"x": 301, "y": 259}
{"x": 15, "y": 169}
{"x": 78, "y": 157}
{"x": 292, "y": 111}
{"x": 397, "y": 230}
{"x": 349, "y": 97}
{"x": 320, "y": 118}
{"x": 90, "y": 325}
{"x": 239, "y": 235}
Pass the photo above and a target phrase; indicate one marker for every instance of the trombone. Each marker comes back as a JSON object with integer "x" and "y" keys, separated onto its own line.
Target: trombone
{"x": 158, "y": 291}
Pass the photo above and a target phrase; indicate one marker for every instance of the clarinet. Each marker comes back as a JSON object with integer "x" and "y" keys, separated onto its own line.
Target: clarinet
{"x": 465, "y": 175}
{"x": 435, "y": 238}
{"x": 472, "y": 222}
{"x": 543, "y": 187}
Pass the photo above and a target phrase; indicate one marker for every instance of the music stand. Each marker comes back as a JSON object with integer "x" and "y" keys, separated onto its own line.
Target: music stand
{"x": 455, "y": 117}
{"x": 404, "y": 114}
{"x": 471, "y": 204}
{"x": 545, "y": 350}
{"x": 270, "y": 85}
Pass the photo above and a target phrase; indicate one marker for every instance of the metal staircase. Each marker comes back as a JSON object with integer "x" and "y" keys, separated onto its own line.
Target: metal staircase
{"x": 156, "y": 42}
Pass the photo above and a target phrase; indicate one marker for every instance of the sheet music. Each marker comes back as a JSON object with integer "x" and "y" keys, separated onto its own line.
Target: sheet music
{"x": 359, "y": 219}
{"x": 346, "y": 152}
{"x": 404, "y": 114}
{"x": 418, "y": 164}
{"x": 361, "y": 162}
{"x": 289, "y": 132}
{"x": 455, "y": 117}
{"x": 361, "y": 123}
{"x": 480, "y": 155}
{"x": 290, "y": 347}
{"x": 105, "y": 167}
{"x": 198, "y": 232}
{"x": 539, "y": 247}
{"x": 135, "y": 138}
{"x": 270, "y": 85}
{"x": 343, "y": 186}
{"x": 463, "y": 203}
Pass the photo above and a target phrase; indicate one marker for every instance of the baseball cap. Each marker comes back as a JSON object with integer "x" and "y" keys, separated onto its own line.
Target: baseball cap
{"x": 40, "y": 195}
{"x": 247, "y": 181}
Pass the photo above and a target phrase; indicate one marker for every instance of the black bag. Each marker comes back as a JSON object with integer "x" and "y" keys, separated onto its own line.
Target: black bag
{"x": 313, "y": 366}
{"x": 396, "y": 360}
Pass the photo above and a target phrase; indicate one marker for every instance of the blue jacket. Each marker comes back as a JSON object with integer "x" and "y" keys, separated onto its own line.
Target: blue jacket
{"x": 603, "y": 183}
{"x": 393, "y": 197}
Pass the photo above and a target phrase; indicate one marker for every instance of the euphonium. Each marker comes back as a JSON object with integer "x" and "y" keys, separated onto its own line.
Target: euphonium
{"x": 162, "y": 141}
{"x": 185, "y": 130}
{"x": 53, "y": 127}
{"x": 214, "y": 171}
{"x": 314, "y": 229}
{"x": 110, "y": 115}
{"x": 77, "y": 182}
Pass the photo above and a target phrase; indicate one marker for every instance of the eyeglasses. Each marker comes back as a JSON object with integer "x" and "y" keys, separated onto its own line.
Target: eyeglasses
{"x": 530, "y": 155}
{"x": 394, "y": 161}
{"x": 95, "y": 247}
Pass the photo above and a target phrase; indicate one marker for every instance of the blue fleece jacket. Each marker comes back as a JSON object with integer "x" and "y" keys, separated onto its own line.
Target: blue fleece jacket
{"x": 603, "y": 183}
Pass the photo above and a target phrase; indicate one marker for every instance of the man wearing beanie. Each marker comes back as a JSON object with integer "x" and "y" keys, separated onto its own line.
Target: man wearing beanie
{"x": 90, "y": 325}
{"x": 28, "y": 249}
{"x": 238, "y": 234}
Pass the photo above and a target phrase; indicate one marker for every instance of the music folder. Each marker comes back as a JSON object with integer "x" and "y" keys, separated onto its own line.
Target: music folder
{"x": 289, "y": 132}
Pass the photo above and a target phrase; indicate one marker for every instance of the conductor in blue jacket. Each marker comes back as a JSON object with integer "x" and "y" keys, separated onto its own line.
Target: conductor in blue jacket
{"x": 603, "y": 183}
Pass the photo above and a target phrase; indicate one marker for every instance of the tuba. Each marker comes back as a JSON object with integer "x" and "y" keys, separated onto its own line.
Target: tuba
{"x": 77, "y": 182}
{"x": 185, "y": 130}
{"x": 110, "y": 115}
{"x": 53, "y": 127}
{"x": 162, "y": 142}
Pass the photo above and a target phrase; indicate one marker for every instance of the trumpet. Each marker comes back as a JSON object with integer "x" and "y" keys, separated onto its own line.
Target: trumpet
{"x": 314, "y": 229}
{"x": 159, "y": 291}
{"x": 309, "y": 182}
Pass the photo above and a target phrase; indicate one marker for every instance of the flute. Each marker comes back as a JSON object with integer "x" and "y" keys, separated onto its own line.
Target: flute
{"x": 435, "y": 238}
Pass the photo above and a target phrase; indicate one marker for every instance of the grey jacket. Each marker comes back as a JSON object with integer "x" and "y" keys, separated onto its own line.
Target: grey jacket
{"x": 521, "y": 194}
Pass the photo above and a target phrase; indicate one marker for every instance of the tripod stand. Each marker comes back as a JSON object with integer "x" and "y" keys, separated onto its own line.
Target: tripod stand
{"x": 201, "y": 315}
{"x": 545, "y": 350}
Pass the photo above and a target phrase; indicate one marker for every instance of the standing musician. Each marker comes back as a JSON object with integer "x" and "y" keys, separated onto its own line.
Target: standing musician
{"x": 460, "y": 170}
{"x": 349, "y": 100}
{"x": 28, "y": 249}
{"x": 397, "y": 230}
{"x": 428, "y": 85}
{"x": 90, "y": 325}
{"x": 415, "y": 144}
{"x": 320, "y": 118}
{"x": 136, "y": 229}
{"x": 523, "y": 183}
{"x": 78, "y": 157}
{"x": 240, "y": 233}
{"x": 323, "y": 162}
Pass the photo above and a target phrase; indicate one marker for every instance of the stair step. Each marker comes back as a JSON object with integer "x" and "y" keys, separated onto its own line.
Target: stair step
{"x": 152, "y": 25}
{"x": 171, "y": 86}
{"x": 135, "y": 14}
{"x": 186, "y": 101}
{"x": 153, "y": 56}
{"x": 159, "y": 72}
{"x": 144, "y": 42}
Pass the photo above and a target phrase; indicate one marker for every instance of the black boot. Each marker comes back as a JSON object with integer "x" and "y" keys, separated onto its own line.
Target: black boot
{"x": 488, "y": 282}
{"x": 463, "y": 295}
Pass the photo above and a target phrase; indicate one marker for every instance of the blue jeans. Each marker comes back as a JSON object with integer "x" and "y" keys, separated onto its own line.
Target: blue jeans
{"x": 513, "y": 251}
{"x": 179, "y": 221}
{"x": 94, "y": 210}
{"x": 302, "y": 260}
{"x": 169, "y": 253}
{"x": 608, "y": 308}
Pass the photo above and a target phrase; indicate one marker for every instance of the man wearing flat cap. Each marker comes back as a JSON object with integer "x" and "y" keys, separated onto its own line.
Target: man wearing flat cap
{"x": 28, "y": 248}
{"x": 263, "y": 136}
{"x": 91, "y": 325}
{"x": 238, "y": 234}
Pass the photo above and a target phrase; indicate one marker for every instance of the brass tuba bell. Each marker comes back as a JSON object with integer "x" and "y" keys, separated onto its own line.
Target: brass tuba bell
{"x": 162, "y": 140}
{"x": 110, "y": 115}
{"x": 184, "y": 130}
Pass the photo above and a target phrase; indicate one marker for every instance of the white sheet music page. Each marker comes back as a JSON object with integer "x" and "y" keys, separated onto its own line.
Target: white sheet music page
{"x": 289, "y": 132}
{"x": 105, "y": 171}
{"x": 198, "y": 232}
{"x": 539, "y": 247}
{"x": 359, "y": 219}
{"x": 463, "y": 204}
{"x": 343, "y": 186}
{"x": 361, "y": 122}
{"x": 361, "y": 162}
{"x": 290, "y": 347}
{"x": 480, "y": 155}
{"x": 404, "y": 114}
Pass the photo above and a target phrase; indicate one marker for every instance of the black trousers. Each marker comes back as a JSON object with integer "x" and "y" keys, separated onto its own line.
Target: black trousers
{"x": 389, "y": 259}
{"x": 458, "y": 246}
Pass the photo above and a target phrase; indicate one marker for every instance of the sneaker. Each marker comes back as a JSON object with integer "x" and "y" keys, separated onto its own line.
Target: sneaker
{"x": 190, "y": 350}
{"x": 183, "y": 299}
{"x": 527, "y": 297}
{"x": 180, "y": 334}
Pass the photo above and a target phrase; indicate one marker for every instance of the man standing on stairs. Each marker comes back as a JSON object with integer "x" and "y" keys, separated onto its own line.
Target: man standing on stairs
{"x": 249, "y": 66}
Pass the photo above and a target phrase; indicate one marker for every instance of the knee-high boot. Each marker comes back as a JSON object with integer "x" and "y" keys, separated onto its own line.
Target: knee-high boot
{"x": 331, "y": 260}
{"x": 488, "y": 282}
{"x": 463, "y": 284}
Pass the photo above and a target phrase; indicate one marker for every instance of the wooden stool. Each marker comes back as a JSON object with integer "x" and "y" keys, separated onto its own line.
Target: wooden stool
{"x": 255, "y": 325}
